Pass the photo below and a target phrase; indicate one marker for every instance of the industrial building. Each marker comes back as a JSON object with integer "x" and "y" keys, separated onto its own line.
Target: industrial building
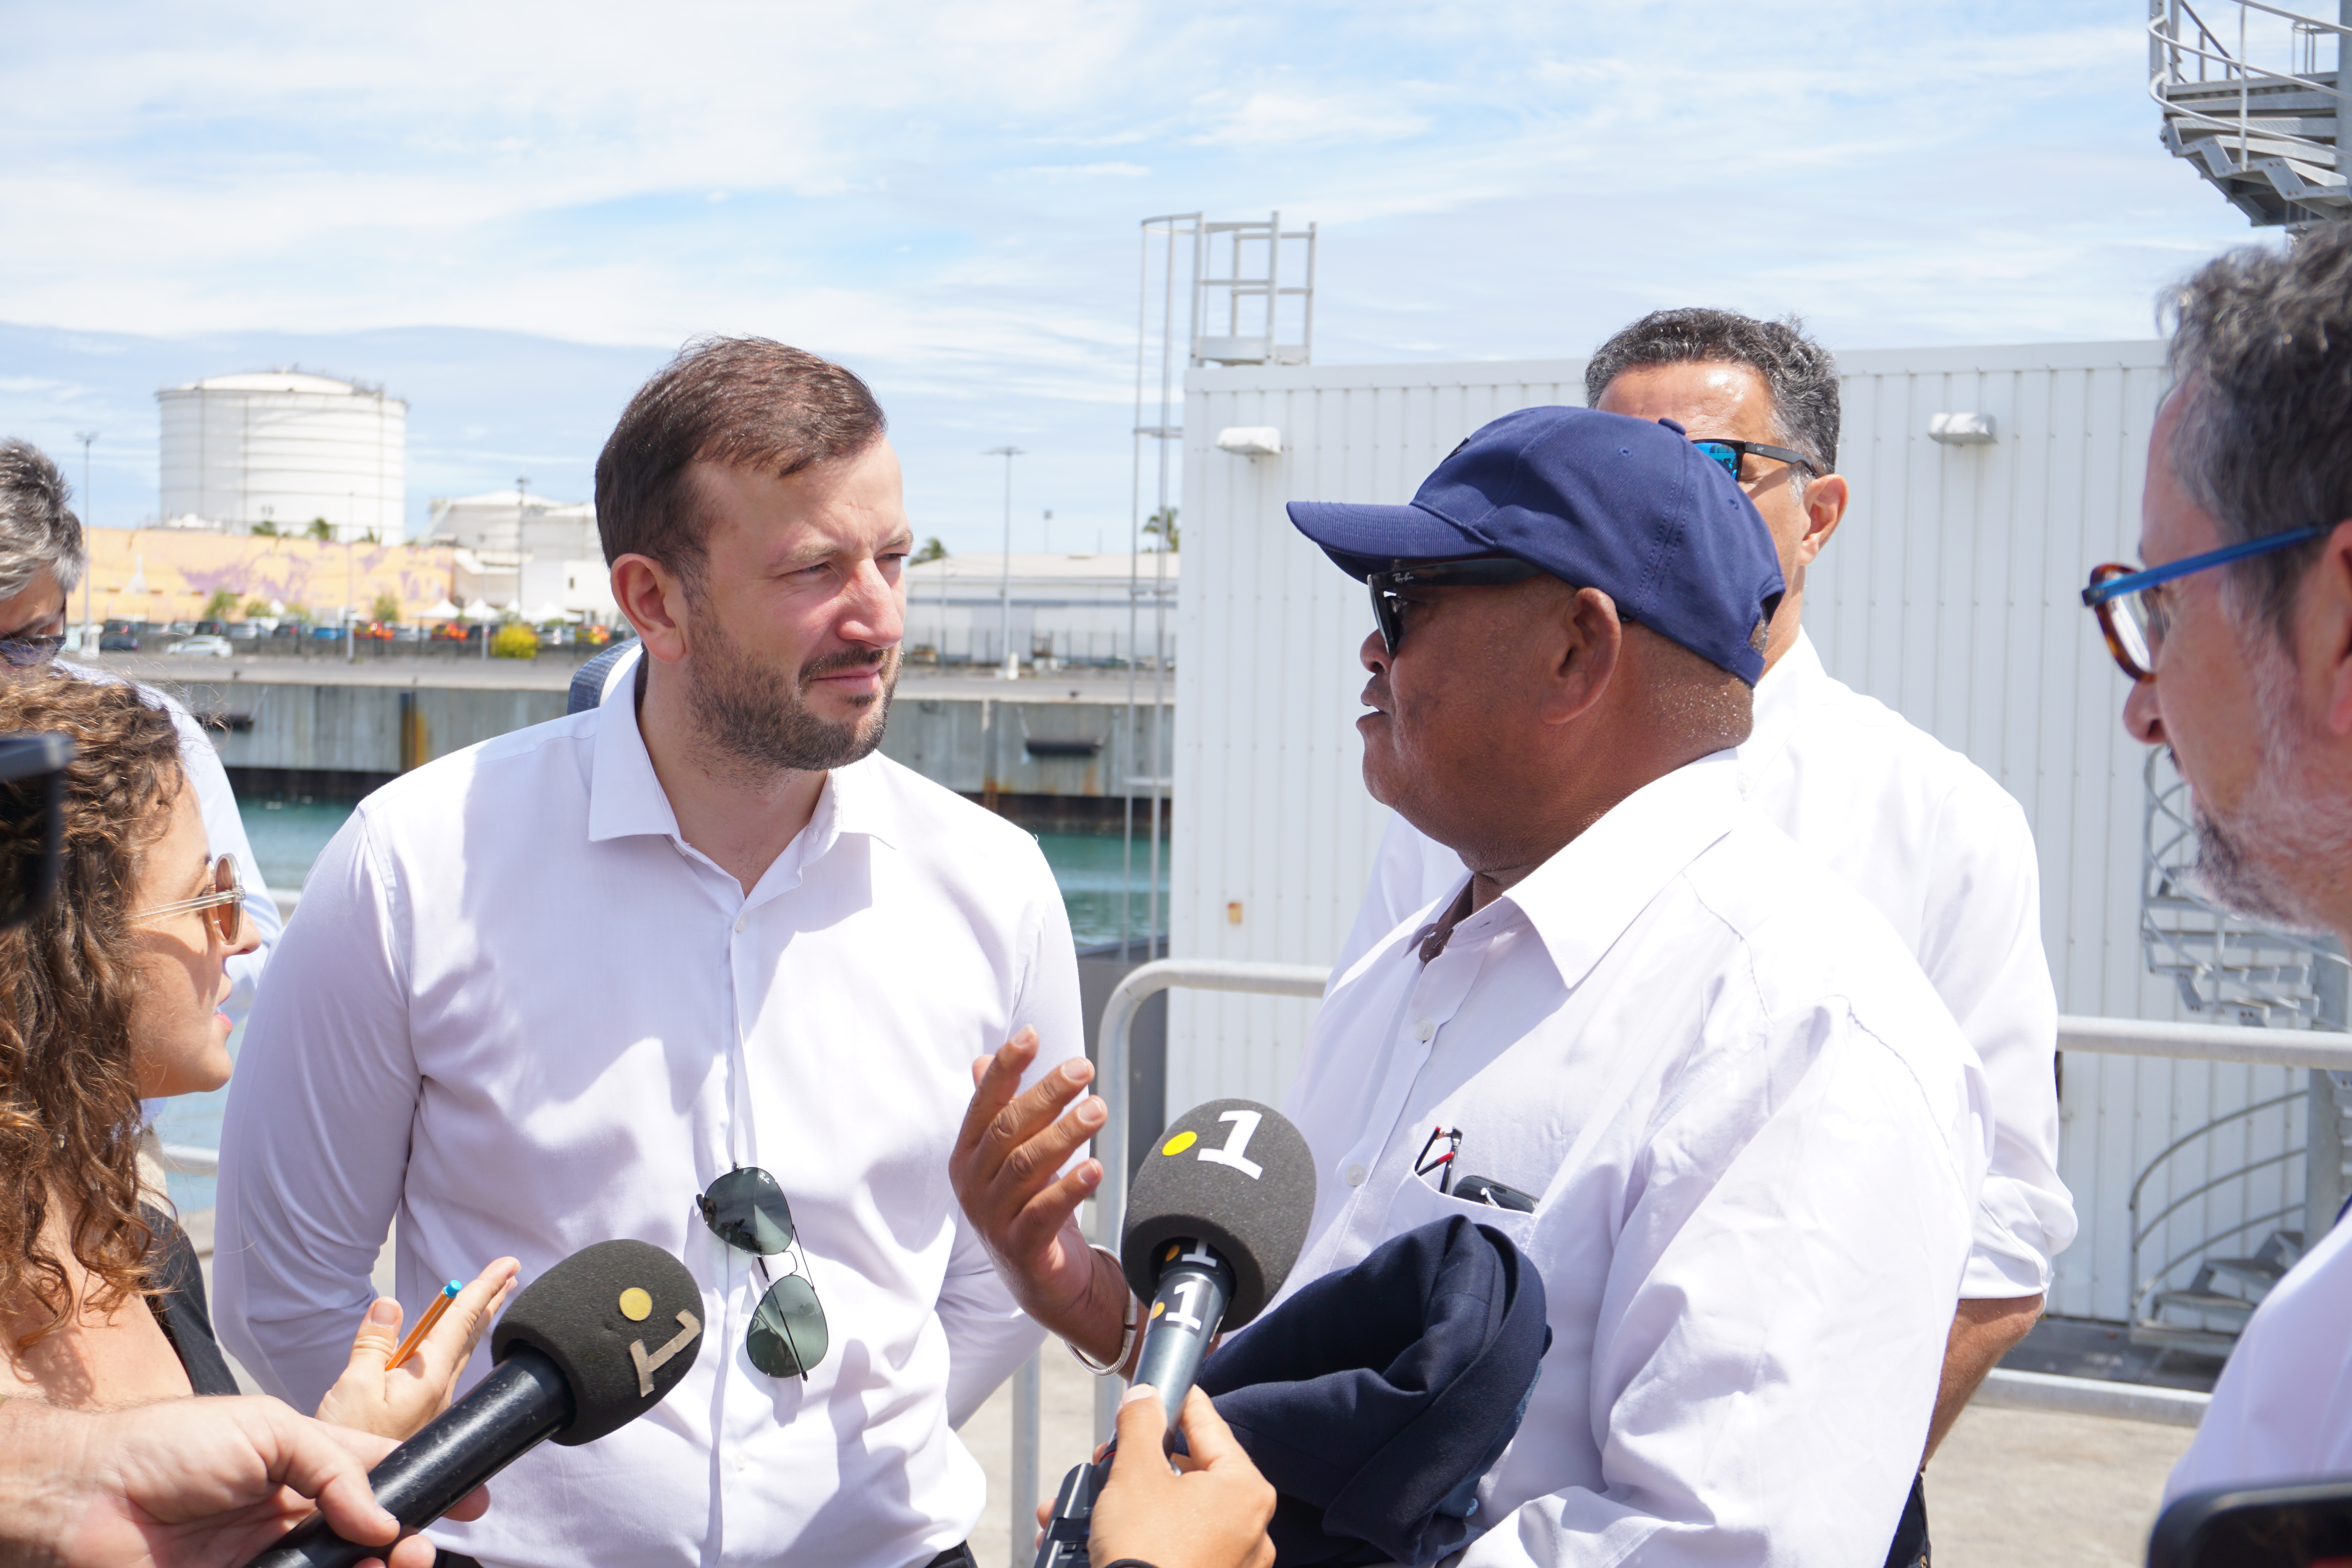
{"x": 1061, "y": 609}
{"x": 525, "y": 551}
{"x": 281, "y": 450}
{"x": 1986, "y": 482}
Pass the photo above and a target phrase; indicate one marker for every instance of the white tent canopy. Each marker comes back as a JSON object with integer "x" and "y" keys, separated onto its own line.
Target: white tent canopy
{"x": 550, "y": 611}
{"x": 477, "y": 610}
{"x": 442, "y": 611}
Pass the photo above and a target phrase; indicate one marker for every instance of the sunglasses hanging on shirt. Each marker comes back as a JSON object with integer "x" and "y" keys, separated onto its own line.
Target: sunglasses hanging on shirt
{"x": 747, "y": 1210}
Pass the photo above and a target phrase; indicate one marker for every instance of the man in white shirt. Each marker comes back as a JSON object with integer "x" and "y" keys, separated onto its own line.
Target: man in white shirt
{"x": 42, "y": 557}
{"x": 1720, "y": 1108}
{"x": 2238, "y": 638}
{"x": 595, "y": 978}
{"x": 1923, "y": 834}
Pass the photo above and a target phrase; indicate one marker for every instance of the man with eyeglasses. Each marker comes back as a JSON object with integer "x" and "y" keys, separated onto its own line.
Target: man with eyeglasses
{"x": 1697, "y": 1079}
{"x": 42, "y": 558}
{"x": 2237, "y": 640}
{"x": 695, "y": 966}
{"x": 1920, "y": 831}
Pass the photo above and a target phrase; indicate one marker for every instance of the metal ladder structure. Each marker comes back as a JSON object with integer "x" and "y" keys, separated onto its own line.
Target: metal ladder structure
{"x": 2255, "y": 99}
{"x": 2249, "y": 976}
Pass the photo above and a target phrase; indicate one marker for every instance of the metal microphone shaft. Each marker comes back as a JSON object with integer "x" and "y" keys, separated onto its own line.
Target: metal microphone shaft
{"x": 522, "y": 1402}
{"x": 1195, "y": 1288}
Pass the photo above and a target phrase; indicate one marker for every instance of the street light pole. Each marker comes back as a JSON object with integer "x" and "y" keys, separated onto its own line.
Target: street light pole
{"x": 1012, "y": 668}
{"x": 86, "y": 437}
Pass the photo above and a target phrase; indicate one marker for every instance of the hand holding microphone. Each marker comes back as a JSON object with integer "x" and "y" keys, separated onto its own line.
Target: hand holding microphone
{"x": 593, "y": 1344}
{"x": 1214, "y": 1221}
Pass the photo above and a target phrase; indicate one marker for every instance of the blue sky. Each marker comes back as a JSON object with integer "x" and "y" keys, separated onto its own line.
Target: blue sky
{"x": 510, "y": 216}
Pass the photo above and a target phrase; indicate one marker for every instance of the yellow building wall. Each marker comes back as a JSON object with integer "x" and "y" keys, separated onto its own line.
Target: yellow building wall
{"x": 166, "y": 574}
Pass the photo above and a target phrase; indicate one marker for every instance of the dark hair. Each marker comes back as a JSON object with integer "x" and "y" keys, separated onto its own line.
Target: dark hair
{"x": 744, "y": 401}
{"x": 69, "y": 1095}
{"x": 2261, "y": 346}
{"x": 1800, "y": 375}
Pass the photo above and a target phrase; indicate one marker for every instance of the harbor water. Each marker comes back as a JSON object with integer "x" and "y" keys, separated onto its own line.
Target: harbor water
{"x": 288, "y": 833}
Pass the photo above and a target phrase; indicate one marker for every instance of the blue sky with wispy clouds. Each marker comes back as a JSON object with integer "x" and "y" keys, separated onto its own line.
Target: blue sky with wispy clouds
{"x": 512, "y": 215}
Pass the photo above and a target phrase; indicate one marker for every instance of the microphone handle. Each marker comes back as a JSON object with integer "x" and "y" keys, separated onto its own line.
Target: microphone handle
{"x": 1195, "y": 1288}
{"x": 522, "y": 1402}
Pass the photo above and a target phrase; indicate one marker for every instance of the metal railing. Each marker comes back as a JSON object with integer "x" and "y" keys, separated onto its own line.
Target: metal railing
{"x": 2021, "y": 1389}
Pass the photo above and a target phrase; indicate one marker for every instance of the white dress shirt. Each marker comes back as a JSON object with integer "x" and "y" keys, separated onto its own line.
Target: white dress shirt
{"x": 1944, "y": 854}
{"x": 2282, "y": 1409}
{"x": 1756, "y": 1138}
{"x": 224, "y": 825}
{"x": 522, "y": 1012}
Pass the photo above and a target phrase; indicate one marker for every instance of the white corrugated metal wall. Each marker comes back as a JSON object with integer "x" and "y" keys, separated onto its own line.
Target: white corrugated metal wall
{"x": 1951, "y": 593}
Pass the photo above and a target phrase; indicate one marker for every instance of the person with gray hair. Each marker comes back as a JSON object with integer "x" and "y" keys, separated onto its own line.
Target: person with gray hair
{"x": 1923, "y": 834}
{"x": 42, "y": 558}
{"x": 2237, "y": 638}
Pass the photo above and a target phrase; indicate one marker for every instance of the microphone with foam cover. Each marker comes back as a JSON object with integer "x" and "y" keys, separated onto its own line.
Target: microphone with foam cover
{"x": 1214, "y": 1221}
{"x": 593, "y": 1344}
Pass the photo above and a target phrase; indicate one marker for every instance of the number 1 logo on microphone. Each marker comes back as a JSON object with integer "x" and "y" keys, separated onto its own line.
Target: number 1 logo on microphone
{"x": 1236, "y": 1152}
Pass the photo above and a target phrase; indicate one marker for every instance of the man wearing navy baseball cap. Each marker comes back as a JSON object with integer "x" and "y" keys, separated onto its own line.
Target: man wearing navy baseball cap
{"x": 1697, "y": 1080}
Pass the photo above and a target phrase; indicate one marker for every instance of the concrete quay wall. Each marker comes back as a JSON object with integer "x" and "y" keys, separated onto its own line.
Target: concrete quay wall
{"x": 1046, "y": 746}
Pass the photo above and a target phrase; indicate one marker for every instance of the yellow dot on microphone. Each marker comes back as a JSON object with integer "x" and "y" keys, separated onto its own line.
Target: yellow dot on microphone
{"x": 1182, "y": 1142}
{"x": 1158, "y": 1308}
{"x": 636, "y": 1305}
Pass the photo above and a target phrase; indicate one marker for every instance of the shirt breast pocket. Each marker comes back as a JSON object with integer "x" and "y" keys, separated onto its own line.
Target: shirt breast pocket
{"x": 1418, "y": 1202}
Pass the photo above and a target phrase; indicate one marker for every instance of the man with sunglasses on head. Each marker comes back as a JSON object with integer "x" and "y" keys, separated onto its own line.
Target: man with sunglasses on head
{"x": 1696, "y": 1080}
{"x": 1923, "y": 834}
{"x": 42, "y": 559}
{"x": 2237, "y": 640}
{"x": 696, "y": 967}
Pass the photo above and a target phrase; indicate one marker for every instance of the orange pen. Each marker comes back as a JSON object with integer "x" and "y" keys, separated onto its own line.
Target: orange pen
{"x": 424, "y": 1324}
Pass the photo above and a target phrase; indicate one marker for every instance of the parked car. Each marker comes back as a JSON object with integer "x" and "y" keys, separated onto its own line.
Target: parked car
{"x": 244, "y": 631}
{"x": 117, "y": 642}
{"x": 212, "y": 629}
{"x": 286, "y": 629}
{"x": 181, "y": 629}
{"x": 407, "y": 634}
{"x": 326, "y": 633}
{"x": 201, "y": 647}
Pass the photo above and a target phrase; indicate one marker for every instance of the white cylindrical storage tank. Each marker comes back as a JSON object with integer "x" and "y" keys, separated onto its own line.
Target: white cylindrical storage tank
{"x": 285, "y": 448}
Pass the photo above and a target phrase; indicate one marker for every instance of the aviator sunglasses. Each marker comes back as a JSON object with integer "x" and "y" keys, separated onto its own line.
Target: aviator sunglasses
{"x": 747, "y": 1210}
{"x": 223, "y": 907}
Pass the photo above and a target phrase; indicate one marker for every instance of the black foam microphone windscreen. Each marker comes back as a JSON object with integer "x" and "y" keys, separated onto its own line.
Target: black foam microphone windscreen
{"x": 1236, "y": 1175}
{"x": 620, "y": 1319}
{"x": 593, "y": 1344}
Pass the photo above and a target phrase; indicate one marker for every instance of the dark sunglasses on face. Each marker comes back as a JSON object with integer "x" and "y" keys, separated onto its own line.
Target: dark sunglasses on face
{"x": 1728, "y": 454}
{"x": 1482, "y": 570}
{"x": 24, "y": 648}
{"x": 747, "y": 1210}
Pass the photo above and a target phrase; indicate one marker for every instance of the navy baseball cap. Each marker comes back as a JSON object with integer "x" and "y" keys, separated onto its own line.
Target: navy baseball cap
{"x": 1599, "y": 500}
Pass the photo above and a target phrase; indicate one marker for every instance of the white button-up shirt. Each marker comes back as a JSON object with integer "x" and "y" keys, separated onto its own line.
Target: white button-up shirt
{"x": 2283, "y": 1410}
{"x": 1946, "y": 855}
{"x": 1756, "y": 1139}
{"x": 525, "y": 1014}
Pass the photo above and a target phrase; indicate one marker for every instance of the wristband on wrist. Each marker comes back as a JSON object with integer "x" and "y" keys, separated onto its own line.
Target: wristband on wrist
{"x": 1127, "y": 1338}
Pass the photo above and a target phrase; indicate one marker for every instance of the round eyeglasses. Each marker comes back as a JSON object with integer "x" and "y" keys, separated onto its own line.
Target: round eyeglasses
{"x": 2131, "y": 613}
{"x": 223, "y": 907}
{"x": 747, "y": 1210}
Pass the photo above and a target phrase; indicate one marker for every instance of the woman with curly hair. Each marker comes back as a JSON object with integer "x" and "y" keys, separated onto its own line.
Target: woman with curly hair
{"x": 109, "y": 995}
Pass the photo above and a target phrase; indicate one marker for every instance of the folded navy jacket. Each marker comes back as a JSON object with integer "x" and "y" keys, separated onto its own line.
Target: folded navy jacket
{"x": 1374, "y": 1400}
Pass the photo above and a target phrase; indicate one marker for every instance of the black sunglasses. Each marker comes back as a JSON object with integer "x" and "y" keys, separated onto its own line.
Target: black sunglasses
{"x": 1480, "y": 570}
{"x": 1729, "y": 453}
{"x": 26, "y": 648}
{"x": 747, "y": 1210}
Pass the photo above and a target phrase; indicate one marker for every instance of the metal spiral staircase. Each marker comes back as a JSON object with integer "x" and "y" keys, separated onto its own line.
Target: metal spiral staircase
{"x": 2251, "y": 977}
{"x": 2256, "y": 98}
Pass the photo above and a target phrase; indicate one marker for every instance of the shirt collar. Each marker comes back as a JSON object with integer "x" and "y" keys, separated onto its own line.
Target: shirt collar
{"x": 625, "y": 796}
{"x": 1782, "y": 698}
{"x": 1582, "y": 899}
